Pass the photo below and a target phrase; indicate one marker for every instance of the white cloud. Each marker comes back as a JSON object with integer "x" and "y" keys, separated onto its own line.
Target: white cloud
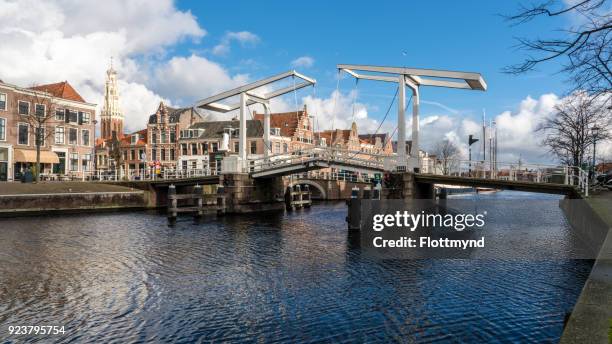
{"x": 516, "y": 130}
{"x": 186, "y": 79}
{"x": 303, "y": 62}
{"x": 338, "y": 112}
{"x": 245, "y": 38}
{"x": 52, "y": 41}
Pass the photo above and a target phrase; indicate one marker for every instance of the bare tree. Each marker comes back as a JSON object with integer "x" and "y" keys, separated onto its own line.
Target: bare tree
{"x": 447, "y": 154}
{"x": 585, "y": 45}
{"x": 568, "y": 130}
{"x": 38, "y": 117}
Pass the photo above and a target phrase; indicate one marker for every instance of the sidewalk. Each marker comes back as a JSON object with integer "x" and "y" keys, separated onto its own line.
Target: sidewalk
{"x": 591, "y": 319}
{"x": 16, "y": 188}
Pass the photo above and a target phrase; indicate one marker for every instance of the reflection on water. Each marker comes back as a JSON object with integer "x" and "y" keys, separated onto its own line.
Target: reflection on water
{"x": 274, "y": 278}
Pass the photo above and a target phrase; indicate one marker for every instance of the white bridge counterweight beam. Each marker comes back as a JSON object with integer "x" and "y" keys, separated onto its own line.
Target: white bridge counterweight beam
{"x": 266, "y": 134}
{"x": 248, "y": 96}
{"x": 414, "y": 148}
{"x": 242, "y": 132}
{"x": 414, "y": 78}
{"x": 401, "y": 121}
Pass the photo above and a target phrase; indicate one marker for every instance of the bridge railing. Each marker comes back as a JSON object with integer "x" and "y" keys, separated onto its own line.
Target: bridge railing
{"x": 539, "y": 173}
{"x": 325, "y": 154}
{"x": 138, "y": 174}
{"x": 337, "y": 176}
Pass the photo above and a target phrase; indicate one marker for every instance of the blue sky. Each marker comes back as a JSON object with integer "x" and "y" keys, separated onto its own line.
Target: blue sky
{"x": 466, "y": 35}
{"x": 179, "y": 52}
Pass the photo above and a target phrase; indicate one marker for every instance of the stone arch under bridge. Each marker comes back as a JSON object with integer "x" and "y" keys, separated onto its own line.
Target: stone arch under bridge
{"x": 310, "y": 183}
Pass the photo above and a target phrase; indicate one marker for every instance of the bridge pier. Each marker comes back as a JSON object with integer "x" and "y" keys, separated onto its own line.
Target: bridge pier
{"x": 245, "y": 194}
{"x": 403, "y": 185}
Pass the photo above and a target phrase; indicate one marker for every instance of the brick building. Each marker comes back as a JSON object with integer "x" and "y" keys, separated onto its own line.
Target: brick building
{"x": 67, "y": 133}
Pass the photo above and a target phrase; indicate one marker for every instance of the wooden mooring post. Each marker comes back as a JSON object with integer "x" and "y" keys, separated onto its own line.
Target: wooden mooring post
{"x": 195, "y": 206}
{"x": 354, "y": 215}
{"x": 197, "y": 201}
{"x": 297, "y": 197}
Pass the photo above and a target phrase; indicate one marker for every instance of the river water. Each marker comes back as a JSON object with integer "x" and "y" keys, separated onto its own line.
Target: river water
{"x": 295, "y": 277}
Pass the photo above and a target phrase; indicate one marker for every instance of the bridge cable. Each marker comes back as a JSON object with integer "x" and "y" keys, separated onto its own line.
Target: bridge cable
{"x": 383, "y": 120}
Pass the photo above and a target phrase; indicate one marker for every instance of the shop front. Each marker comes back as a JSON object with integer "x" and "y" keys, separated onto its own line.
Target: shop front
{"x": 25, "y": 159}
{"x": 5, "y": 163}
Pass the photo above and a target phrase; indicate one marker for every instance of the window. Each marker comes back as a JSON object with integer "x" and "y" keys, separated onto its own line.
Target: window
{"x": 59, "y": 135}
{"x": 72, "y": 116}
{"x": 171, "y": 153}
{"x": 85, "y": 162}
{"x": 85, "y": 137}
{"x": 40, "y": 137}
{"x": 72, "y": 136}
{"x": 285, "y": 148}
{"x": 154, "y": 138}
{"x": 236, "y": 147}
{"x": 253, "y": 147}
{"x": 74, "y": 161}
{"x": 84, "y": 117}
{"x": 132, "y": 154}
{"x": 124, "y": 155}
{"x": 215, "y": 147}
{"x": 154, "y": 154}
{"x": 194, "y": 149}
{"x": 183, "y": 148}
{"x": 163, "y": 137}
{"x": 134, "y": 139}
{"x": 277, "y": 147}
{"x": 40, "y": 110}
{"x": 23, "y": 130}
{"x": 24, "y": 108}
{"x": 172, "y": 137}
{"x": 59, "y": 115}
{"x": 2, "y": 129}
{"x": 141, "y": 154}
{"x": 3, "y": 101}
{"x": 163, "y": 154}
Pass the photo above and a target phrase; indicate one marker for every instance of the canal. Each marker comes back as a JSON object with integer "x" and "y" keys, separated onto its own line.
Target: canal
{"x": 296, "y": 277}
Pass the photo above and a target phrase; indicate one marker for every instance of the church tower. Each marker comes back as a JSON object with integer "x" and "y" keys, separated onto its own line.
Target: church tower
{"x": 111, "y": 119}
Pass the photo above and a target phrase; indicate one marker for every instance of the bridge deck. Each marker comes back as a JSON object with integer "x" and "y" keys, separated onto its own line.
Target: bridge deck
{"x": 550, "y": 188}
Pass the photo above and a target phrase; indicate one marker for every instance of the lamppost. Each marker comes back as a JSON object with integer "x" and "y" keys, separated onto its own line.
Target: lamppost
{"x": 595, "y": 133}
{"x": 471, "y": 141}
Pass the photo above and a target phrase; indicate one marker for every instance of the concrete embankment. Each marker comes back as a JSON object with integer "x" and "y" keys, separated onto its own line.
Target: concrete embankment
{"x": 591, "y": 319}
{"x": 64, "y": 197}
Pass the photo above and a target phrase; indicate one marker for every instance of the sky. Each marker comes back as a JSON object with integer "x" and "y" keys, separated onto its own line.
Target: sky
{"x": 182, "y": 51}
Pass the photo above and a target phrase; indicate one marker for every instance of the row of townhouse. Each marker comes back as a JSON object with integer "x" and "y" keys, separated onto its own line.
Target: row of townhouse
{"x": 56, "y": 115}
{"x": 182, "y": 139}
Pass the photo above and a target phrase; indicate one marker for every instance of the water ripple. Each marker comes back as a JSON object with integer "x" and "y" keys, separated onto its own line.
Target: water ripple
{"x": 276, "y": 278}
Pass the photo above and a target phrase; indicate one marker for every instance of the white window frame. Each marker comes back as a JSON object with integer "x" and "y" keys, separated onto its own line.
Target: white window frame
{"x": 63, "y": 135}
{"x": 76, "y": 143}
{"x": 23, "y": 101}
{"x": 81, "y": 136}
{"x": 70, "y": 162}
{"x": 63, "y": 115}
{"x": 5, "y": 128}
{"x": 134, "y": 139}
{"x": 28, "y": 134}
{"x": 44, "y": 111}
{"x": 5, "y": 101}
{"x": 83, "y": 117}
{"x": 44, "y": 129}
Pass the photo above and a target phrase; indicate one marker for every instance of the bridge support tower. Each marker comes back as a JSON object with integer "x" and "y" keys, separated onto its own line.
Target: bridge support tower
{"x": 402, "y": 185}
{"x": 245, "y": 194}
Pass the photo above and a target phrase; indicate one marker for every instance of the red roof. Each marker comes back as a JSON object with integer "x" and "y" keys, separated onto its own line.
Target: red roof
{"x": 286, "y": 121}
{"x": 61, "y": 90}
{"x": 126, "y": 140}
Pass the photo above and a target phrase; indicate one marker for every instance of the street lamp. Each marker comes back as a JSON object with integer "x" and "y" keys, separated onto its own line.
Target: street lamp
{"x": 471, "y": 141}
{"x": 595, "y": 133}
